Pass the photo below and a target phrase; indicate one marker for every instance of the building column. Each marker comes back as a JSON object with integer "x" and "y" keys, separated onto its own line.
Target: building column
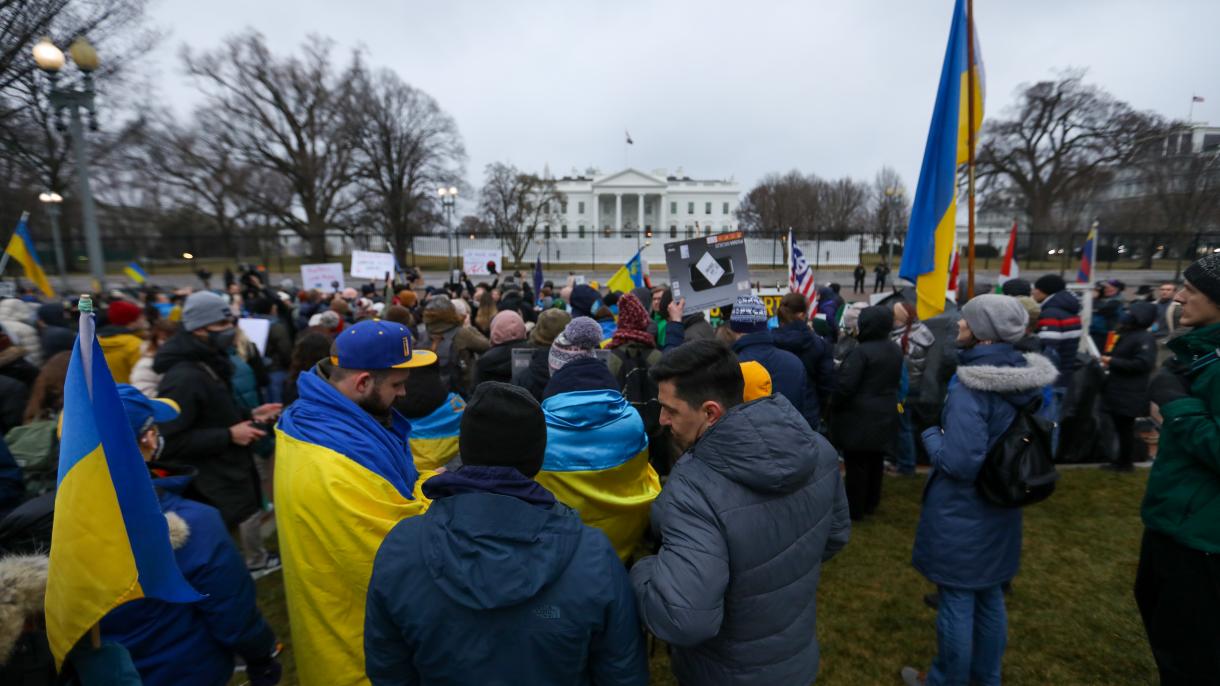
{"x": 663, "y": 214}
{"x": 618, "y": 212}
{"x": 593, "y": 211}
{"x": 641, "y": 225}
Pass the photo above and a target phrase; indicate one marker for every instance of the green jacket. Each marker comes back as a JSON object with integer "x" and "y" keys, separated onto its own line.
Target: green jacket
{"x": 1183, "y": 496}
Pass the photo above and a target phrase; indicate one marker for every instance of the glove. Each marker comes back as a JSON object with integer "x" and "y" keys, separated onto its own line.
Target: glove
{"x": 1167, "y": 387}
{"x": 264, "y": 672}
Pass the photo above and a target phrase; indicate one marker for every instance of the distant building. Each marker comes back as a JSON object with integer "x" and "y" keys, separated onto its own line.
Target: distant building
{"x": 628, "y": 202}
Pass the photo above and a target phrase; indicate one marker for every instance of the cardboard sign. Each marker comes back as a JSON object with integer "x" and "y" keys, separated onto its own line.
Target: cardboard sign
{"x": 322, "y": 276}
{"x": 257, "y": 331}
{"x": 521, "y": 358}
{"x": 371, "y": 265}
{"x": 708, "y": 271}
{"x": 474, "y": 260}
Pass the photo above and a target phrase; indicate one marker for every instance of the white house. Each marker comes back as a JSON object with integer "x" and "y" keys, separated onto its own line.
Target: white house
{"x": 624, "y": 203}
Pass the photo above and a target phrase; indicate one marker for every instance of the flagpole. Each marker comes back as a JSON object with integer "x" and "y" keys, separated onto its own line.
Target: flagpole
{"x": 970, "y": 141}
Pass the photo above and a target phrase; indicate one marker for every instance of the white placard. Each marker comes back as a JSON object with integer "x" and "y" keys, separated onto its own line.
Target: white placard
{"x": 321, "y": 276}
{"x": 711, "y": 269}
{"x": 371, "y": 265}
{"x": 578, "y": 280}
{"x": 474, "y": 260}
{"x": 257, "y": 331}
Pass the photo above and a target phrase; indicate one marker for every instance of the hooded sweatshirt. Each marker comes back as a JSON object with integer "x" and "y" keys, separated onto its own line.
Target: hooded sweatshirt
{"x": 498, "y": 583}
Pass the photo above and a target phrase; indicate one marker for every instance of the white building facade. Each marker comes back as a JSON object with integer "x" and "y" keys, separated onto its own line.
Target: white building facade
{"x": 630, "y": 202}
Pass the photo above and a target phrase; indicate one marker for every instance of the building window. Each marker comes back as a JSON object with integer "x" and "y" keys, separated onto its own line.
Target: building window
{"x": 690, "y": 208}
{"x": 564, "y": 206}
{"x": 690, "y": 231}
{"x": 563, "y": 231}
{"x": 673, "y": 231}
{"x": 580, "y": 208}
{"x": 581, "y": 231}
{"x": 606, "y": 231}
{"x": 707, "y": 230}
{"x": 726, "y": 208}
{"x": 673, "y": 207}
{"x": 707, "y": 208}
{"x": 546, "y": 232}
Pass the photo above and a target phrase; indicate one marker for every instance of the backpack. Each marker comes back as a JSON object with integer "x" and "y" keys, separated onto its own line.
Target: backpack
{"x": 1019, "y": 469}
{"x": 35, "y": 448}
{"x": 448, "y": 364}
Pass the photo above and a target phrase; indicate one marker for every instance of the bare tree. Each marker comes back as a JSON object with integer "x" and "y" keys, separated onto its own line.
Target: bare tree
{"x": 779, "y": 203}
{"x": 843, "y": 204}
{"x": 407, "y": 147}
{"x": 1060, "y": 139}
{"x": 288, "y": 116}
{"x": 514, "y": 205}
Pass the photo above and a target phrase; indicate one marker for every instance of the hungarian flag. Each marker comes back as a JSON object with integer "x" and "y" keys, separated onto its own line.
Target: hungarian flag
{"x": 1010, "y": 269}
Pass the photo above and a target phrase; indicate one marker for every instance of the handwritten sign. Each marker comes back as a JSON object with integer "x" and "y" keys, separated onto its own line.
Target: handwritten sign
{"x": 322, "y": 277}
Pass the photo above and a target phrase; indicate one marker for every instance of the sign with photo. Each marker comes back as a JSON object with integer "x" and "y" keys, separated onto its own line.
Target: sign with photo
{"x": 709, "y": 271}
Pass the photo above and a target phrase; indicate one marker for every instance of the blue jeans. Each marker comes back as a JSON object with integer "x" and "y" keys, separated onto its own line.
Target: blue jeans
{"x": 971, "y": 633}
{"x": 906, "y": 443}
{"x": 1053, "y": 410}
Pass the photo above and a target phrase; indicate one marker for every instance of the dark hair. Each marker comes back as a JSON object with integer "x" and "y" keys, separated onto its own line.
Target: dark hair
{"x": 260, "y": 305}
{"x": 790, "y": 306}
{"x": 399, "y": 314}
{"x": 307, "y": 351}
{"x": 47, "y": 393}
{"x": 425, "y": 392}
{"x": 702, "y": 371}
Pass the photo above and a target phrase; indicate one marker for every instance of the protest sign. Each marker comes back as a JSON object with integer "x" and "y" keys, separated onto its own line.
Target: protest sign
{"x": 371, "y": 265}
{"x": 257, "y": 331}
{"x": 322, "y": 277}
{"x": 474, "y": 260}
{"x": 708, "y": 271}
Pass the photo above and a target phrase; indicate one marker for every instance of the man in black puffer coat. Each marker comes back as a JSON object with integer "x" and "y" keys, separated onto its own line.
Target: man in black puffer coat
{"x": 211, "y": 434}
{"x": 1131, "y": 363}
{"x": 864, "y": 408}
{"x": 815, "y": 353}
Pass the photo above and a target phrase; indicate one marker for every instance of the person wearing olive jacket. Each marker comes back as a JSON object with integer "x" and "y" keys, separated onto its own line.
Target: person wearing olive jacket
{"x": 1177, "y": 586}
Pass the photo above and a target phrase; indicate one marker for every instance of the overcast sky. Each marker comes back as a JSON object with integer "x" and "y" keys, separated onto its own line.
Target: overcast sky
{"x": 719, "y": 88}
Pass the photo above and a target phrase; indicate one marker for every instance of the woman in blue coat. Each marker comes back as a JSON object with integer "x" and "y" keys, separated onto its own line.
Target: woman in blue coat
{"x": 965, "y": 545}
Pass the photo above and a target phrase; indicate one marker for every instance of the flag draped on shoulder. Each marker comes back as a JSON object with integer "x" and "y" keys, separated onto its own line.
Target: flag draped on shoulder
{"x": 21, "y": 248}
{"x": 933, "y": 228}
{"x": 434, "y": 437}
{"x": 800, "y": 275}
{"x": 628, "y": 276}
{"x": 111, "y": 542}
{"x": 1087, "y": 255}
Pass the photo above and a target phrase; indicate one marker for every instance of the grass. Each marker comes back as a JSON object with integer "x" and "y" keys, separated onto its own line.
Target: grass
{"x": 1072, "y": 618}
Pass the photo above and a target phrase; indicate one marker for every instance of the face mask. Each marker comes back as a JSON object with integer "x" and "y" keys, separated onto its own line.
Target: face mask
{"x": 222, "y": 340}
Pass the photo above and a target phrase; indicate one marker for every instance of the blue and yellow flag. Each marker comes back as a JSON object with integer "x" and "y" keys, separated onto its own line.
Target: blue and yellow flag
{"x": 628, "y": 276}
{"x": 111, "y": 542}
{"x": 135, "y": 272}
{"x": 434, "y": 438}
{"x": 930, "y": 237}
{"x": 21, "y": 248}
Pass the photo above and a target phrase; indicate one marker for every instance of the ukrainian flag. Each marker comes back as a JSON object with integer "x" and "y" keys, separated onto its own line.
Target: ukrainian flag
{"x": 628, "y": 276}
{"x": 21, "y": 248}
{"x": 933, "y": 227}
{"x": 135, "y": 273}
{"x": 434, "y": 438}
{"x": 111, "y": 543}
{"x": 597, "y": 464}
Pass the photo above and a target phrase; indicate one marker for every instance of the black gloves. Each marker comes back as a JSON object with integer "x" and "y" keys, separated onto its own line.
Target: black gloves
{"x": 264, "y": 672}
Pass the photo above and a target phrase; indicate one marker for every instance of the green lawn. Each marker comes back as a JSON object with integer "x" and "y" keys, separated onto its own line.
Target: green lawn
{"x": 1072, "y": 619}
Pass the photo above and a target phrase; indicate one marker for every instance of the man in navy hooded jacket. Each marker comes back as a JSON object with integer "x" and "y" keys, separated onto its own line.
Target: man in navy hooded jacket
{"x": 754, "y": 342}
{"x": 498, "y": 582}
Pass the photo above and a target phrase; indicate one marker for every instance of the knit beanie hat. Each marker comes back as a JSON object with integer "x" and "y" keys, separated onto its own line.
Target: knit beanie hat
{"x": 631, "y": 314}
{"x": 1050, "y": 284}
{"x": 579, "y": 339}
{"x": 584, "y": 301}
{"x": 758, "y": 381}
{"x": 407, "y": 298}
{"x": 503, "y": 426}
{"x": 1032, "y": 308}
{"x": 1016, "y": 287}
{"x": 996, "y": 318}
{"x": 1205, "y": 276}
{"x": 507, "y": 326}
{"x": 203, "y": 308}
{"x": 122, "y": 313}
{"x": 749, "y": 315}
{"x": 550, "y": 324}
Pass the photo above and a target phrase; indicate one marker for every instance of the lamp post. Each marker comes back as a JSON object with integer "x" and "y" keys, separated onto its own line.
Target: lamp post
{"x": 890, "y": 194}
{"x": 50, "y": 60}
{"x": 448, "y": 200}
{"x": 50, "y": 203}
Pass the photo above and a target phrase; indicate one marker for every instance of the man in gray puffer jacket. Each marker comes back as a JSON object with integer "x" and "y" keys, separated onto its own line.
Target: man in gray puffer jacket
{"x": 750, "y": 512}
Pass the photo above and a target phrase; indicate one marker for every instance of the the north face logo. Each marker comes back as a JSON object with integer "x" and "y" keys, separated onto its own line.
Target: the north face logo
{"x": 546, "y": 612}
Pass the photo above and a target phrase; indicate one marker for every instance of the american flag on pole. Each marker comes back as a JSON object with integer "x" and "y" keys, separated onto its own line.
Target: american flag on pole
{"x": 800, "y": 276}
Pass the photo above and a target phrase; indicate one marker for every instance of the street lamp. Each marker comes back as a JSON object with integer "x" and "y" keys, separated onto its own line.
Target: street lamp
{"x": 50, "y": 60}
{"x": 448, "y": 200}
{"x": 50, "y": 203}
{"x": 891, "y": 192}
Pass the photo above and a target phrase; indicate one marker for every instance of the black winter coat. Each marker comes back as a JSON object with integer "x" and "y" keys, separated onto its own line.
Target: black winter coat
{"x": 1131, "y": 365}
{"x": 197, "y": 378}
{"x": 535, "y": 377}
{"x": 497, "y": 363}
{"x": 817, "y": 357}
{"x": 864, "y": 415}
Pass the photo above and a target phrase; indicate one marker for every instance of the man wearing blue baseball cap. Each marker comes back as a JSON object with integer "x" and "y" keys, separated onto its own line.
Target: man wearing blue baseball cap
{"x": 193, "y": 642}
{"x": 344, "y": 477}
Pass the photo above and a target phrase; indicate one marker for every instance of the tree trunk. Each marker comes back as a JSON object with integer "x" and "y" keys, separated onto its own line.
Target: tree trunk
{"x": 317, "y": 244}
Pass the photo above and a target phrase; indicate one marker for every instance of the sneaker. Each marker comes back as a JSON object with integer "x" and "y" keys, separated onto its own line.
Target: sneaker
{"x": 932, "y": 600}
{"x": 270, "y": 565}
{"x": 912, "y": 677}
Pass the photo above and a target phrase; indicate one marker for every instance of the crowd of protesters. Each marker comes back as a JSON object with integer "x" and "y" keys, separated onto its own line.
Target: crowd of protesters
{"x": 471, "y": 480}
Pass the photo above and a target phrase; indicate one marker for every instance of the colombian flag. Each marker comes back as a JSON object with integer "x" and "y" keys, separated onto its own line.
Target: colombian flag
{"x": 111, "y": 542}
{"x": 628, "y": 276}
{"x": 434, "y": 438}
{"x": 933, "y": 227}
{"x": 1085, "y": 273}
{"x": 21, "y": 248}
{"x": 597, "y": 464}
{"x": 135, "y": 273}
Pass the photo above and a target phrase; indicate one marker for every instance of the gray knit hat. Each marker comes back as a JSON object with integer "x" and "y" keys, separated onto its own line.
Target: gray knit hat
{"x": 996, "y": 318}
{"x": 1205, "y": 275}
{"x": 579, "y": 339}
{"x": 203, "y": 308}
